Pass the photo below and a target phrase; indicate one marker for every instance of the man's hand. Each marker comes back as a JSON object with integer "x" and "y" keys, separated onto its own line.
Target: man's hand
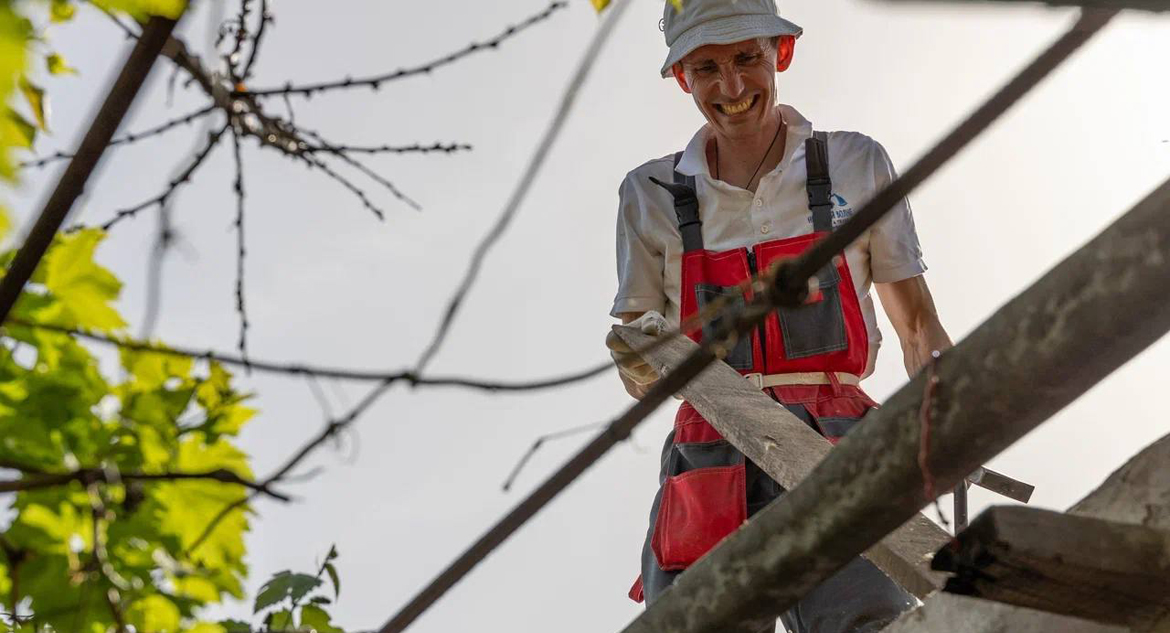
{"x": 637, "y": 375}
{"x": 911, "y": 310}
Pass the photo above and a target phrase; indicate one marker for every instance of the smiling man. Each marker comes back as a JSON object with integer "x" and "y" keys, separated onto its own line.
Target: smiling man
{"x": 767, "y": 187}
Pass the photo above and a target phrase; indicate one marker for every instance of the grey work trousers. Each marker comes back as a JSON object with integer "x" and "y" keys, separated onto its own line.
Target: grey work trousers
{"x": 857, "y": 599}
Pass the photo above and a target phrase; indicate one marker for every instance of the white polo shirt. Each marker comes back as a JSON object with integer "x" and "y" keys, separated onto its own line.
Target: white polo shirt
{"x": 649, "y": 246}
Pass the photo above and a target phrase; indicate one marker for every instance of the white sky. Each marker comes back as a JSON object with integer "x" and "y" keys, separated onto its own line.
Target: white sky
{"x": 420, "y": 477}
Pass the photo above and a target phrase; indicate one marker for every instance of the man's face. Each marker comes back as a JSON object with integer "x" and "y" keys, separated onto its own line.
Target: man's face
{"x": 734, "y": 85}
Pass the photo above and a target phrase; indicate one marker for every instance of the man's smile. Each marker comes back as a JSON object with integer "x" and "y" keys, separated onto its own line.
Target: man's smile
{"x": 739, "y": 107}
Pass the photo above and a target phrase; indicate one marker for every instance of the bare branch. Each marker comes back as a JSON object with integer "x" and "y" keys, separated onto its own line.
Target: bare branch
{"x": 540, "y": 442}
{"x": 301, "y": 369}
{"x": 376, "y": 81}
{"x": 265, "y": 17}
{"x": 172, "y": 186}
{"x": 415, "y": 148}
{"x": 239, "y": 189}
{"x": 526, "y": 179}
{"x": 91, "y": 475}
{"x": 314, "y": 162}
{"x": 328, "y": 147}
{"x": 129, "y": 138}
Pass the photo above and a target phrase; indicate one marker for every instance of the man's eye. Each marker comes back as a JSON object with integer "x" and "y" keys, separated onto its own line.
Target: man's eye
{"x": 744, "y": 60}
{"x": 706, "y": 69}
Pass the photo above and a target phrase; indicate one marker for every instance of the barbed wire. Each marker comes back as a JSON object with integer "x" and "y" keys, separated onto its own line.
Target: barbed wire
{"x": 375, "y": 82}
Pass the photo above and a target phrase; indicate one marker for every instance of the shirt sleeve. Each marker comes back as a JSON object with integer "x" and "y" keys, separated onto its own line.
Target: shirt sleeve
{"x": 894, "y": 251}
{"x": 639, "y": 262}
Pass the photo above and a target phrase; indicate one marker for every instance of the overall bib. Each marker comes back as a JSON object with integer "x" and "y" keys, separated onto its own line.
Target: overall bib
{"x": 809, "y": 359}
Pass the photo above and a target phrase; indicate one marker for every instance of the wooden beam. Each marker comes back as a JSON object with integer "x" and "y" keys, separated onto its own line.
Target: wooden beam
{"x": 1138, "y": 493}
{"x": 1084, "y": 567}
{"x": 787, "y": 449}
{"x": 950, "y": 613}
{"x": 1082, "y": 320}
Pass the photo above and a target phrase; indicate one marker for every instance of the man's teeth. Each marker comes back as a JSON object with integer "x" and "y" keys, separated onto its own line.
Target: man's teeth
{"x": 736, "y": 108}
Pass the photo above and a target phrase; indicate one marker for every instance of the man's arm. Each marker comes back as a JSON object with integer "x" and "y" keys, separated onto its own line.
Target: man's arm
{"x": 911, "y": 310}
{"x": 634, "y": 389}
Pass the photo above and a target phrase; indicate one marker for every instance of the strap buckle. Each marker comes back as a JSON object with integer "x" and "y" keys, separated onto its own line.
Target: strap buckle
{"x": 820, "y": 191}
{"x": 756, "y": 379}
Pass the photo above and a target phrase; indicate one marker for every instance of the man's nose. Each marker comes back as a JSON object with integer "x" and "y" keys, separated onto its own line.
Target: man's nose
{"x": 732, "y": 82}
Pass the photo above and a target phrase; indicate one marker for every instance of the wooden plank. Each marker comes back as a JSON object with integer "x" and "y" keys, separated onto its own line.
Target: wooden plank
{"x": 787, "y": 449}
{"x": 1034, "y": 356}
{"x": 1090, "y": 568}
{"x": 1138, "y": 493}
{"x": 950, "y": 613}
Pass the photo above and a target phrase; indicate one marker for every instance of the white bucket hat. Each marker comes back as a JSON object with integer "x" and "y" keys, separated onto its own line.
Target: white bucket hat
{"x": 702, "y": 22}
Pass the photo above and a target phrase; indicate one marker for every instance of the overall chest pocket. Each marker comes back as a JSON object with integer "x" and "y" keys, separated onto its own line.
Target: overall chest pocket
{"x": 817, "y": 326}
{"x": 740, "y": 356}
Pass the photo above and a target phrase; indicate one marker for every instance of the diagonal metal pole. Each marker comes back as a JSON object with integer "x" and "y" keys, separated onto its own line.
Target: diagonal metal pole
{"x": 72, "y": 183}
{"x": 620, "y": 428}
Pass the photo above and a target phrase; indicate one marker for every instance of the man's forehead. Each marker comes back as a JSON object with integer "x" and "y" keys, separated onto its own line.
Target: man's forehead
{"x": 722, "y": 51}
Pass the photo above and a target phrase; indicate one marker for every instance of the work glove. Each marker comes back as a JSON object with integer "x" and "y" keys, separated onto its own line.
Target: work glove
{"x": 630, "y": 364}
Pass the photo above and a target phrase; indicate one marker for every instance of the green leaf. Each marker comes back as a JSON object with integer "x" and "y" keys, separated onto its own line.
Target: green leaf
{"x": 154, "y": 613}
{"x": 83, "y": 289}
{"x": 17, "y": 131}
{"x": 279, "y": 620}
{"x": 62, "y": 11}
{"x": 332, "y": 571}
{"x": 15, "y": 34}
{"x": 313, "y": 617}
{"x": 35, "y": 96}
{"x": 319, "y": 600}
{"x": 142, "y": 9}
{"x": 56, "y": 65}
{"x": 235, "y": 626}
{"x": 283, "y": 585}
{"x": 212, "y": 627}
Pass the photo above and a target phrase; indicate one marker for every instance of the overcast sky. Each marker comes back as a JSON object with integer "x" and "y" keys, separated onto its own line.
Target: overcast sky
{"x": 420, "y": 476}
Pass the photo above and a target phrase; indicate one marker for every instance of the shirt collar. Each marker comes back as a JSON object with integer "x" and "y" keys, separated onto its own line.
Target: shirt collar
{"x": 694, "y": 158}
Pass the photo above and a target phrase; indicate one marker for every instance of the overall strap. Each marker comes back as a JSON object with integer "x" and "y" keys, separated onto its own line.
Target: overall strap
{"x": 819, "y": 185}
{"x": 686, "y": 207}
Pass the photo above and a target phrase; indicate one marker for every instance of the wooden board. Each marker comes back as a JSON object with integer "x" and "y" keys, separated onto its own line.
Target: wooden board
{"x": 950, "y": 613}
{"x": 788, "y": 450}
{"x": 1138, "y": 493}
{"x": 1090, "y": 568}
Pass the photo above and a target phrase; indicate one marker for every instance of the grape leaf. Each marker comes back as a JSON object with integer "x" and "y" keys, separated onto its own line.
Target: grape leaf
{"x": 316, "y": 618}
{"x": 283, "y": 585}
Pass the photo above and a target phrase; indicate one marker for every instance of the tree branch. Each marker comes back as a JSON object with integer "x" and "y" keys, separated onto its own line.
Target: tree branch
{"x": 88, "y": 476}
{"x": 172, "y": 186}
{"x": 301, "y": 369}
{"x": 375, "y": 82}
{"x": 133, "y": 137}
{"x": 73, "y": 181}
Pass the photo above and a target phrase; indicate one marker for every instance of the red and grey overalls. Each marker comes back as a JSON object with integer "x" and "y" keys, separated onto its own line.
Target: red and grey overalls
{"x": 808, "y": 358}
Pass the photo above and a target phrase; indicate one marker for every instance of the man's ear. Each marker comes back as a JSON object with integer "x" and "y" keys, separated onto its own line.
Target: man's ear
{"x": 785, "y": 49}
{"x": 680, "y": 77}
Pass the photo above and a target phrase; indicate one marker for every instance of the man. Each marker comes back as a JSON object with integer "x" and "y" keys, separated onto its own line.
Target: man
{"x": 767, "y": 188}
